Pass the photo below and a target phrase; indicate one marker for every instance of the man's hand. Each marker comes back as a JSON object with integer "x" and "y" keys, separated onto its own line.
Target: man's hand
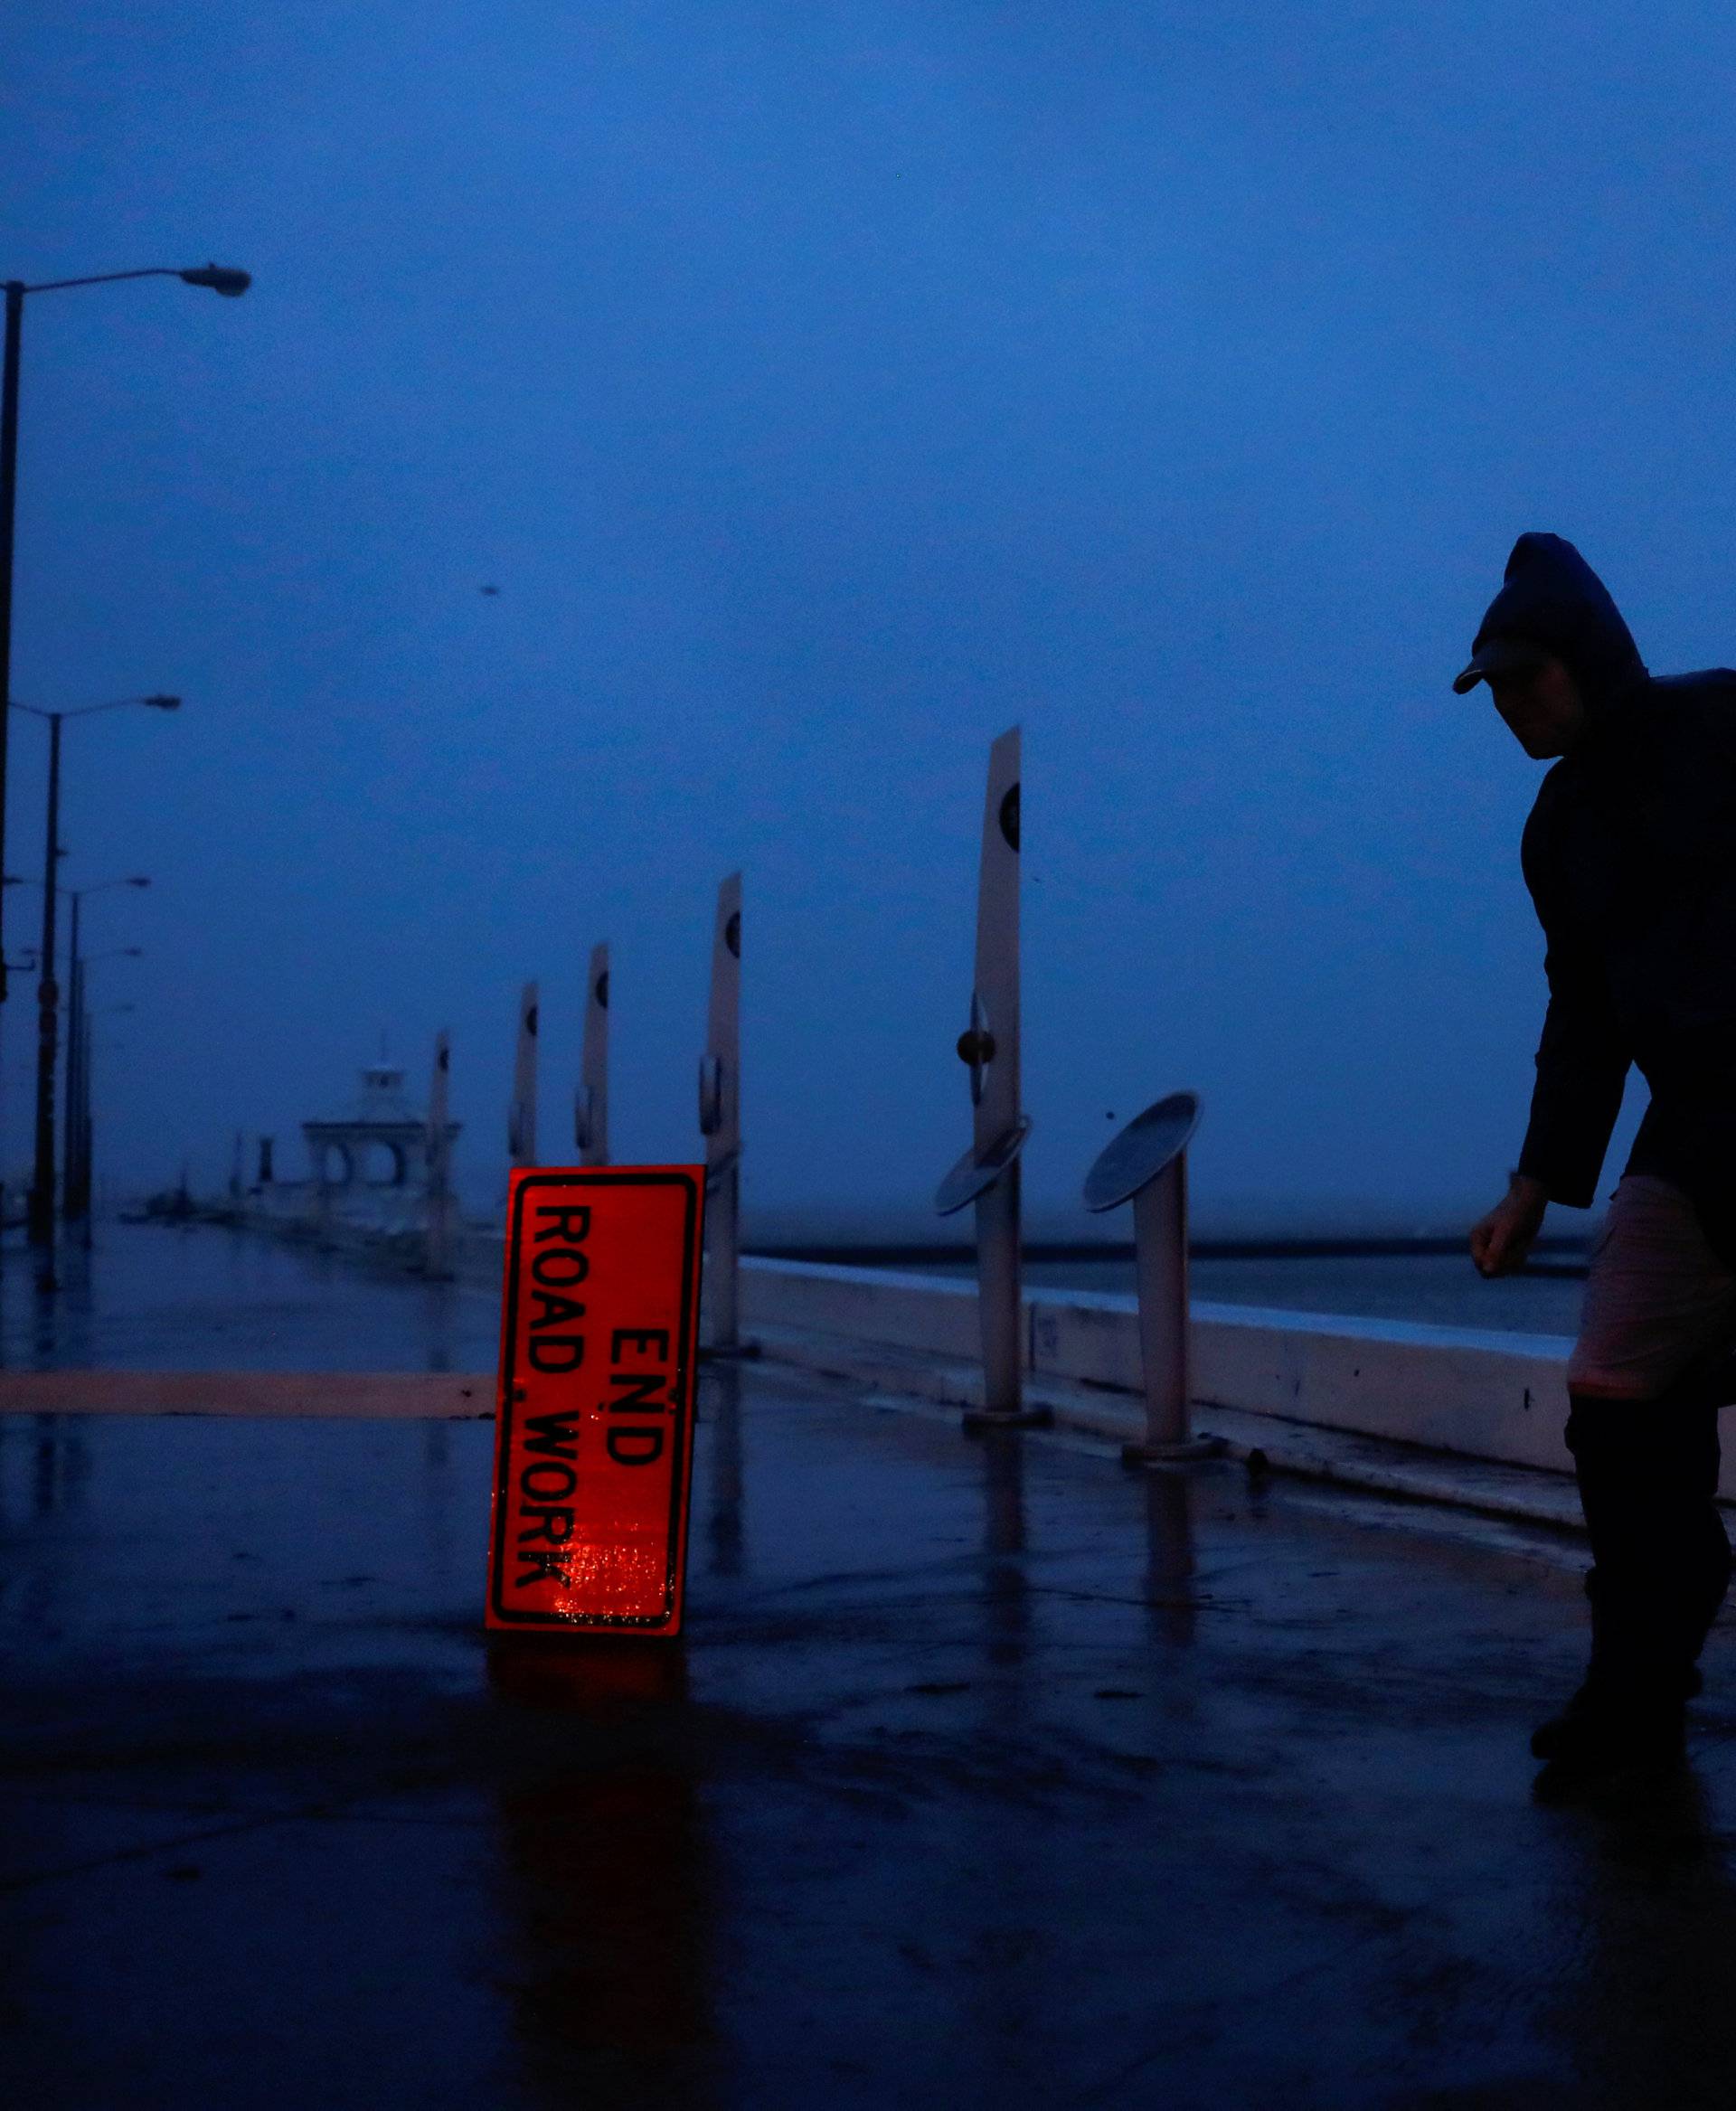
{"x": 1500, "y": 1240}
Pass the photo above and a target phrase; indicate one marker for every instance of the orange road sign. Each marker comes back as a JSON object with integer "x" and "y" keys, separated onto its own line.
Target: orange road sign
{"x": 599, "y": 1339}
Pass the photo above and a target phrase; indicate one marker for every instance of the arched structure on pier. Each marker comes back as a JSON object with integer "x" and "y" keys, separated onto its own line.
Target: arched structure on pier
{"x": 378, "y": 1145}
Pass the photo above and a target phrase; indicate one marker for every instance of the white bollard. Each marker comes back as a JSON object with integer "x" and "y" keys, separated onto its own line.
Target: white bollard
{"x": 720, "y": 1124}
{"x": 591, "y": 1108}
{"x": 988, "y": 1172}
{"x": 521, "y": 1119}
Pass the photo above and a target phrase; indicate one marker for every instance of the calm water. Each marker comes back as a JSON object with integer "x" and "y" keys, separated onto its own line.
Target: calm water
{"x": 157, "y": 1297}
{"x": 1442, "y": 1289}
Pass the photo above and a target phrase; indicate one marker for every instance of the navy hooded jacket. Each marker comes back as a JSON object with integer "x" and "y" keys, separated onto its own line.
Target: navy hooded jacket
{"x": 1630, "y": 856}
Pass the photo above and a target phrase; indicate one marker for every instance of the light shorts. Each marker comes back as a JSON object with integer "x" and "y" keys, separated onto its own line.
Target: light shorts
{"x": 1658, "y": 1300}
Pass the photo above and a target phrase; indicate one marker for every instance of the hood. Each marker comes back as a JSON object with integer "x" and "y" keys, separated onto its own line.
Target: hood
{"x": 1552, "y": 597}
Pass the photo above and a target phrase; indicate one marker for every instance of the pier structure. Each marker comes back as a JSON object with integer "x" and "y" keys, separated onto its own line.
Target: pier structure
{"x": 375, "y": 1167}
{"x": 377, "y": 1144}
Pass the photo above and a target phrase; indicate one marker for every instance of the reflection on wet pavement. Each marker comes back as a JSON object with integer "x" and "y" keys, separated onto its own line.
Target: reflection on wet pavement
{"x": 986, "y": 1774}
{"x": 606, "y": 1876}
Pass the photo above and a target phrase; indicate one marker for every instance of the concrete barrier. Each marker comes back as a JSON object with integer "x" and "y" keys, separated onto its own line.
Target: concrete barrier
{"x": 932, "y": 1313}
{"x": 1485, "y": 1396}
{"x": 1492, "y": 1396}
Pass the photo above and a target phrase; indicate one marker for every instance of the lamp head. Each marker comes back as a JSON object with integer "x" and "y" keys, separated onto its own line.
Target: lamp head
{"x": 220, "y": 278}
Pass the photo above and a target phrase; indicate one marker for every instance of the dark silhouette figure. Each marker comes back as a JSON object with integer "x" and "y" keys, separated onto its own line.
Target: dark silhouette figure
{"x": 1628, "y": 855}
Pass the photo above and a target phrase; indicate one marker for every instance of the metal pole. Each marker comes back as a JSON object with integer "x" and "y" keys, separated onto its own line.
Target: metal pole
{"x": 74, "y": 1058}
{"x": 1160, "y": 1260}
{"x": 86, "y": 1187}
{"x": 1147, "y": 1166}
{"x": 8, "y": 509}
{"x": 80, "y": 1044}
{"x": 48, "y": 997}
{"x": 521, "y": 1119}
{"x": 591, "y": 1109}
{"x": 999, "y": 1297}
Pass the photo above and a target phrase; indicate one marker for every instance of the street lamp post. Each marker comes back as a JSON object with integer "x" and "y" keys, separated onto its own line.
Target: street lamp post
{"x": 48, "y": 995}
{"x": 42, "y": 1186}
{"x": 220, "y": 278}
{"x": 77, "y": 1201}
{"x": 76, "y": 1182}
{"x": 24, "y": 964}
{"x": 85, "y": 1133}
{"x": 74, "y": 1059}
{"x": 75, "y": 1170}
{"x": 75, "y": 1177}
{"x": 85, "y": 1186}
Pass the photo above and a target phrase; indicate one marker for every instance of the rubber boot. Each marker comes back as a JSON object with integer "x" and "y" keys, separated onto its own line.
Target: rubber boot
{"x": 1648, "y": 1475}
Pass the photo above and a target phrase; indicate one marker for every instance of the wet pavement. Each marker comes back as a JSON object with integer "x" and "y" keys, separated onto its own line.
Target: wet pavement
{"x": 200, "y": 1298}
{"x": 985, "y": 1775}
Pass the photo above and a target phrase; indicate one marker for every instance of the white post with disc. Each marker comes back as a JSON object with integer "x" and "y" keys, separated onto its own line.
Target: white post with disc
{"x": 988, "y": 1172}
{"x": 521, "y": 1119}
{"x": 1146, "y": 1164}
{"x": 720, "y": 1124}
{"x": 591, "y": 1108}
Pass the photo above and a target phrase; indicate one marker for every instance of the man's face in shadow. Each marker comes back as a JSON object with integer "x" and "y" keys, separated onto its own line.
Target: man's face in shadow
{"x": 1544, "y": 708}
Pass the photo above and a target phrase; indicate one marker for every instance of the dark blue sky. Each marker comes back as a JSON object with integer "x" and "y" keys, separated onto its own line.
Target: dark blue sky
{"x": 826, "y": 388}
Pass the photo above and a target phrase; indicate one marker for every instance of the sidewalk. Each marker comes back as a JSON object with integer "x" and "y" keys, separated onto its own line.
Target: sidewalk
{"x": 987, "y": 1775}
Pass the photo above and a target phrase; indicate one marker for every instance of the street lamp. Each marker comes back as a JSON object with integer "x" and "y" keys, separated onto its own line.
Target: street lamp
{"x": 84, "y": 1132}
{"x": 75, "y": 1150}
{"x": 41, "y": 1192}
{"x": 75, "y": 1176}
{"x": 221, "y": 278}
{"x": 77, "y": 1079}
{"x": 76, "y": 1182}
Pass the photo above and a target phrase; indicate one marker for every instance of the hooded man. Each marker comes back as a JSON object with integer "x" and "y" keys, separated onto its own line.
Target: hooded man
{"x": 1630, "y": 856}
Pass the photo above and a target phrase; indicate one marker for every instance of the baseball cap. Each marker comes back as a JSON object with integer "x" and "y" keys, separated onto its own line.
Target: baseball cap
{"x": 1499, "y": 656}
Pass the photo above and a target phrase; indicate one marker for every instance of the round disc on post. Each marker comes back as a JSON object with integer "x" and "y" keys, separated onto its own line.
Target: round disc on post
{"x": 974, "y": 1176}
{"x": 1150, "y": 1142}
